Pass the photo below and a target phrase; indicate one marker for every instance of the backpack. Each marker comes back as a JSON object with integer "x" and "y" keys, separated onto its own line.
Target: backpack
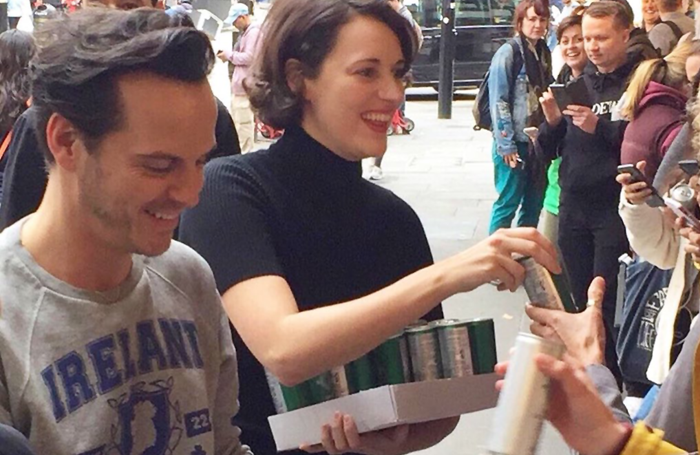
{"x": 677, "y": 32}
{"x": 481, "y": 110}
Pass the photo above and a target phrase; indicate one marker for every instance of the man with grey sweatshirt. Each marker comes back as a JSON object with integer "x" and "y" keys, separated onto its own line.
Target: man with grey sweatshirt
{"x": 674, "y": 24}
{"x": 113, "y": 339}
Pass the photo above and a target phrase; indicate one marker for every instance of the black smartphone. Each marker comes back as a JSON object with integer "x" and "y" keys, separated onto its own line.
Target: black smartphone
{"x": 560, "y": 95}
{"x": 578, "y": 92}
{"x": 690, "y": 167}
{"x": 655, "y": 200}
{"x": 575, "y": 92}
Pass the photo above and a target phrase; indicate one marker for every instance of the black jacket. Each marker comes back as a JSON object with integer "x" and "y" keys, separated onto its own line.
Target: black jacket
{"x": 639, "y": 48}
{"x": 589, "y": 161}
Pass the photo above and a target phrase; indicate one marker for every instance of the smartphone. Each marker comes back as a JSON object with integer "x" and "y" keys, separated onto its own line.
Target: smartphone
{"x": 682, "y": 212}
{"x": 578, "y": 92}
{"x": 655, "y": 200}
{"x": 690, "y": 167}
{"x": 560, "y": 95}
{"x": 575, "y": 92}
{"x": 531, "y": 132}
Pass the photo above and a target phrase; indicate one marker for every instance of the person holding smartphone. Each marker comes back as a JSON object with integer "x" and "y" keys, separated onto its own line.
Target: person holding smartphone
{"x": 519, "y": 72}
{"x": 591, "y": 234}
{"x": 655, "y": 105}
{"x": 570, "y": 39}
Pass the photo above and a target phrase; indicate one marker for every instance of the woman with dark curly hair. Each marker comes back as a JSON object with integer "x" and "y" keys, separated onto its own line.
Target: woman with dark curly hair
{"x": 317, "y": 266}
{"x": 16, "y": 51}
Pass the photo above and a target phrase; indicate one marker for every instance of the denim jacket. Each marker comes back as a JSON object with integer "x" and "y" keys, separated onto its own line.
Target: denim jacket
{"x": 509, "y": 112}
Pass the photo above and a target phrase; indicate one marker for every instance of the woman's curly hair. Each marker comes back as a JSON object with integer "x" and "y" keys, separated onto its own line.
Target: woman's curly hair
{"x": 17, "y": 49}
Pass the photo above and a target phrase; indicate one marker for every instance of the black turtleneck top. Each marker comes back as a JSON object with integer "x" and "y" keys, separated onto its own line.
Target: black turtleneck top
{"x": 299, "y": 211}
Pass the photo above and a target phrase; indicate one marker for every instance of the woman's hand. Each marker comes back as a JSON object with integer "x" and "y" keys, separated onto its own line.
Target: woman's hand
{"x": 550, "y": 108}
{"x": 575, "y": 409}
{"x": 635, "y": 192}
{"x": 511, "y": 160}
{"x": 492, "y": 260}
{"x": 342, "y": 436}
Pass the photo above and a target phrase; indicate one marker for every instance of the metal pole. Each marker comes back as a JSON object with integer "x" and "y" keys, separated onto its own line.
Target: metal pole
{"x": 447, "y": 51}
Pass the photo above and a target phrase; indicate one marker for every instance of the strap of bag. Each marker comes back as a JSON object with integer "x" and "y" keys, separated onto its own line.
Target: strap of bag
{"x": 674, "y": 28}
{"x": 5, "y": 144}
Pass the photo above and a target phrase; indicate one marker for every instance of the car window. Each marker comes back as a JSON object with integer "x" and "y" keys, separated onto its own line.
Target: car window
{"x": 426, "y": 12}
{"x": 472, "y": 12}
{"x": 502, "y": 11}
{"x": 467, "y": 12}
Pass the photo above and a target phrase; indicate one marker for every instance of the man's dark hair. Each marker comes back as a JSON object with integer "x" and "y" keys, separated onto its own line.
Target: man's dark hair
{"x": 619, "y": 10}
{"x": 82, "y": 55}
{"x": 306, "y": 30}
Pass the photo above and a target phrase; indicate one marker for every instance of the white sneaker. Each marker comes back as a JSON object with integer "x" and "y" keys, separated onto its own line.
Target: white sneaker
{"x": 376, "y": 173}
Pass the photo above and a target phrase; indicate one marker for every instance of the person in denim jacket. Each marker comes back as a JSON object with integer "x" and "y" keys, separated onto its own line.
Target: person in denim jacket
{"x": 514, "y": 107}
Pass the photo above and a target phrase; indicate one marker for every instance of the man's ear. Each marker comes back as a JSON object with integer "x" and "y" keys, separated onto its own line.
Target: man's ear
{"x": 293, "y": 71}
{"x": 63, "y": 141}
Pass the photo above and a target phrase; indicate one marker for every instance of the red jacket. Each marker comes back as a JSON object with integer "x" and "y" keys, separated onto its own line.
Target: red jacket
{"x": 658, "y": 121}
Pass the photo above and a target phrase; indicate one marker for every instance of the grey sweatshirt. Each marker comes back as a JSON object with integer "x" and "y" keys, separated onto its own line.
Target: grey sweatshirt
{"x": 146, "y": 368}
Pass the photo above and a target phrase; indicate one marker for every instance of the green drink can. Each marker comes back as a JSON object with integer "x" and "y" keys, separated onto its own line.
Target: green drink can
{"x": 392, "y": 362}
{"x": 424, "y": 349}
{"x": 329, "y": 385}
{"x": 298, "y": 396}
{"x": 455, "y": 348}
{"x": 482, "y": 341}
{"x": 276, "y": 392}
{"x": 360, "y": 374}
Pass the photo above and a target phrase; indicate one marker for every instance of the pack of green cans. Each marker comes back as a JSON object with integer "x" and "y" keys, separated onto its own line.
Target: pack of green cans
{"x": 447, "y": 348}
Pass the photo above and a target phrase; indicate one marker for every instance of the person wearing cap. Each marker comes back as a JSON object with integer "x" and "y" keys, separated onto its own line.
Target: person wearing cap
{"x": 242, "y": 56}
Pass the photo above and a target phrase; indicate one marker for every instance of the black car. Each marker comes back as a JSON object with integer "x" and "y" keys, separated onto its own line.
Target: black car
{"x": 482, "y": 26}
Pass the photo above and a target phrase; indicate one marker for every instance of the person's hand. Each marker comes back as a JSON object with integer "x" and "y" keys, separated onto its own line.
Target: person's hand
{"x": 635, "y": 192}
{"x": 575, "y": 409}
{"x": 550, "y": 108}
{"x": 342, "y": 436}
{"x": 222, "y": 56}
{"x": 492, "y": 260}
{"x": 693, "y": 236}
{"x": 583, "y": 117}
{"x": 511, "y": 160}
{"x": 583, "y": 334}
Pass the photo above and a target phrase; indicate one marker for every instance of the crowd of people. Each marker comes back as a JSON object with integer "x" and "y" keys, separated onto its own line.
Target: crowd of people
{"x": 624, "y": 104}
{"x": 115, "y": 338}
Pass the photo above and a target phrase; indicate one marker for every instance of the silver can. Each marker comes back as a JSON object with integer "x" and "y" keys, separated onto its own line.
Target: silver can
{"x": 522, "y": 404}
{"x": 455, "y": 350}
{"x": 424, "y": 349}
{"x": 545, "y": 289}
{"x": 276, "y": 392}
{"x": 684, "y": 194}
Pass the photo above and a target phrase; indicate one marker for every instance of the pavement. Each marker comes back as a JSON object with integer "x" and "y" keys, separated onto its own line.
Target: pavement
{"x": 443, "y": 169}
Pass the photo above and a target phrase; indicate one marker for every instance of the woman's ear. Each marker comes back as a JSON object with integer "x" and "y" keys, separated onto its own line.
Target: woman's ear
{"x": 293, "y": 71}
